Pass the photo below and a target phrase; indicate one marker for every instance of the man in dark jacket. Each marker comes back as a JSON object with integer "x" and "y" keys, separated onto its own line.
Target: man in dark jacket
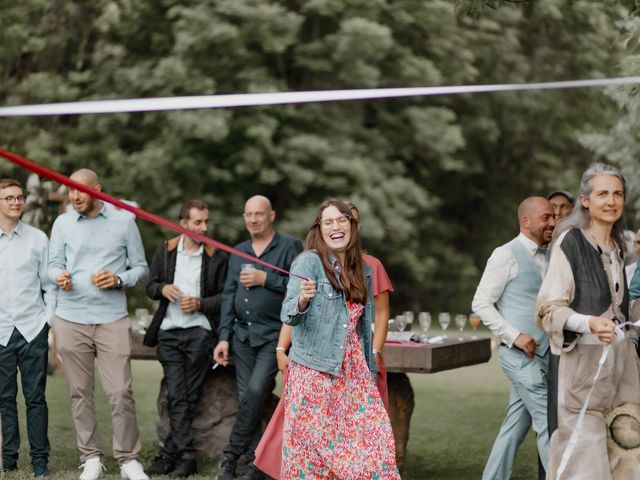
{"x": 188, "y": 278}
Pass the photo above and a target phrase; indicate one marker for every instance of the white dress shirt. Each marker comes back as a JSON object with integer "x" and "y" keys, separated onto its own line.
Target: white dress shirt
{"x": 630, "y": 270}
{"x": 27, "y": 297}
{"x": 187, "y": 279}
{"x": 502, "y": 267}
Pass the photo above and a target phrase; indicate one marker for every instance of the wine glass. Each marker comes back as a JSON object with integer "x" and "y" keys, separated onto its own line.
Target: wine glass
{"x": 142, "y": 318}
{"x": 409, "y": 317}
{"x": 474, "y": 321}
{"x": 401, "y": 322}
{"x": 425, "y": 322}
{"x": 444, "y": 319}
{"x": 461, "y": 321}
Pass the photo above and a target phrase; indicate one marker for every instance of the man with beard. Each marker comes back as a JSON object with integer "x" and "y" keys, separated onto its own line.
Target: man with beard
{"x": 187, "y": 278}
{"x": 505, "y": 300}
{"x": 94, "y": 254}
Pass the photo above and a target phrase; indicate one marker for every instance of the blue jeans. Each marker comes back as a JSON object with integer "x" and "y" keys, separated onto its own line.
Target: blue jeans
{"x": 256, "y": 369}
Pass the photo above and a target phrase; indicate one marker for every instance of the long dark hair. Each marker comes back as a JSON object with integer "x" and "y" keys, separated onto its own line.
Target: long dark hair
{"x": 351, "y": 274}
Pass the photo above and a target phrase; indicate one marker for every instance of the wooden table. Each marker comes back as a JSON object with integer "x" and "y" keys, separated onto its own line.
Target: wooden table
{"x": 400, "y": 359}
{"x": 452, "y": 353}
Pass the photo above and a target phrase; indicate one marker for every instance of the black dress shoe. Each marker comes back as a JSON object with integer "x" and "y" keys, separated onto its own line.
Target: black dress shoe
{"x": 184, "y": 468}
{"x": 227, "y": 468}
{"x": 251, "y": 472}
{"x": 161, "y": 465}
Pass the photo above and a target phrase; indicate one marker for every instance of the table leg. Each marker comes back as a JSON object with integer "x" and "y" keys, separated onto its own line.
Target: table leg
{"x": 401, "y": 404}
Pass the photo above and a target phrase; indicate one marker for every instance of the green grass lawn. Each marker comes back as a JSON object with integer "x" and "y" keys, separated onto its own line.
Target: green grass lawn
{"x": 457, "y": 415}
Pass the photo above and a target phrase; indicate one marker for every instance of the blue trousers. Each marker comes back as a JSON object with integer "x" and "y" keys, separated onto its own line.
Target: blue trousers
{"x": 527, "y": 407}
{"x": 31, "y": 359}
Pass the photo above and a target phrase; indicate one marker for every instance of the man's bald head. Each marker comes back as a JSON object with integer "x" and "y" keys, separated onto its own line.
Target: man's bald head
{"x": 84, "y": 203}
{"x": 535, "y": 215}
{"x": 258, "y": 217}
{"x": 258, "y": 201}
{"x": 85, "y": 176}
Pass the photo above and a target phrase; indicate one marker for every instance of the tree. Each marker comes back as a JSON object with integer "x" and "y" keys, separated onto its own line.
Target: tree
{"x": 437, "y": 179}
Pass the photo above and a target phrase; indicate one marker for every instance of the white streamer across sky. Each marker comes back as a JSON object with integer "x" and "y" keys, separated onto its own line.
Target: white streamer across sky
{"x": 284, "y": 98}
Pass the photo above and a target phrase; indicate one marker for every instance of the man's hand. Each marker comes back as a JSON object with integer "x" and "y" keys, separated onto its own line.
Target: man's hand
{"x": 63, "y": 281}
{"x": 189, "y": 304}
{"x": 283, "y": 361}
{"x": 526, "y": 343}
{"x": 105, "y": 279}
{"x": 171, "y": 292}
{"x": 221, "y": 353}
{"x": 604, "y": 328}
{"x": 253, "y": 278}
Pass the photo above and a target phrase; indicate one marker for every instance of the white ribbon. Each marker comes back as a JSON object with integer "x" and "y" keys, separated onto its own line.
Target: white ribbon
{"x": 280, "y": 98}
{"x": 576, "y": 431}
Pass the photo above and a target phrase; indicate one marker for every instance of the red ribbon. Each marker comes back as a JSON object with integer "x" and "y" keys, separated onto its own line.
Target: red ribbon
{"x": 138, "y": 212}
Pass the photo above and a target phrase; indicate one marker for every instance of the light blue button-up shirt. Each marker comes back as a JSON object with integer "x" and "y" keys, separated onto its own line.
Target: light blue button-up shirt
{"x": 27, "y": 297}
{"x": 85, "y": 246}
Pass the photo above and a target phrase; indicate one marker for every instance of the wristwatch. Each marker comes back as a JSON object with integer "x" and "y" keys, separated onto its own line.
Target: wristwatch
{"x": 118, "y": 282}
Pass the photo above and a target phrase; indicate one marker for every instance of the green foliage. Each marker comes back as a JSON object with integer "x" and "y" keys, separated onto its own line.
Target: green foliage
{"x": 437, "y": 179}
{"x": 621, "y": 144}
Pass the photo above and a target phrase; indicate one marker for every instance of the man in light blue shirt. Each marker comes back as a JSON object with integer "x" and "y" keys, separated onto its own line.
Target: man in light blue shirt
{"x": 95, "y": 252}
{"x": 27, "y": 300}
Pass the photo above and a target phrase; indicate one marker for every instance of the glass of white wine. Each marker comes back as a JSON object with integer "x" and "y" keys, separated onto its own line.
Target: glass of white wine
{"x": 461, "y": 321}
{"x": 409, "y": 316}
{"x": 444, "y": 319}
{"x": 425, "y": 322}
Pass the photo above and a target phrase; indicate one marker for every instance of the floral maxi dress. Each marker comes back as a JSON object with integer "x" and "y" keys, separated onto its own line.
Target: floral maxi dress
{"x": 335, "y": 425}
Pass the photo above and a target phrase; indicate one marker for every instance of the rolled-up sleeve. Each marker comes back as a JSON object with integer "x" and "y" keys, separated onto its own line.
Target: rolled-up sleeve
{"x": 501, "y": 269}
{"x": 302, "y": 267}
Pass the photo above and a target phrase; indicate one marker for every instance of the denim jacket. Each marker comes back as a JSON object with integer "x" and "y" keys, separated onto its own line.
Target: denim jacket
{"x": 320, "y": 333}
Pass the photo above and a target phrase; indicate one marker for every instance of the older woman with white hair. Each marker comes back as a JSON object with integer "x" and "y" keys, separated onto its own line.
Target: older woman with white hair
{"x": 582, "y": 302}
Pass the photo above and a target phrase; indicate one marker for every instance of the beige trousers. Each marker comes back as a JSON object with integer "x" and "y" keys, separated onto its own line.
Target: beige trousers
{"x": 619, "y": 382}
{"x": 108, "y": 345}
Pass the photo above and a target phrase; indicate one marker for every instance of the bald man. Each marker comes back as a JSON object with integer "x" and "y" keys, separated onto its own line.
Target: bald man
{"x": 505, "y": 300}
{"x": 94, "y": 254}
{"x": 250, "y": 324}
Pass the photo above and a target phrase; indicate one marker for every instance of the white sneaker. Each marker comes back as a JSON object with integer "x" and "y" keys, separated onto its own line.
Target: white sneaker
{"x": 132, "y": 470}
{"x": 92, "y": 469}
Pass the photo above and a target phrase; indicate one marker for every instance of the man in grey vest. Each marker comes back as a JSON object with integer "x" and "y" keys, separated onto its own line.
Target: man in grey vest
{"x": 505, "y": 301}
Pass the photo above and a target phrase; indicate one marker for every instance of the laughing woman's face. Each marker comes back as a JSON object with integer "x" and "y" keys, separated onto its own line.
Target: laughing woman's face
{"x": 336, "y": 229}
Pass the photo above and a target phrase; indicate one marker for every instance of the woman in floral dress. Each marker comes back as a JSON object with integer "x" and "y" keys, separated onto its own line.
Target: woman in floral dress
{"x": 335, "y": 424}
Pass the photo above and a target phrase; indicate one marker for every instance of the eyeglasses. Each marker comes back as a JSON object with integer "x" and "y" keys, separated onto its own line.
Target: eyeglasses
{"x": 11, "y": 199}
{"x": 328, "y": 222}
